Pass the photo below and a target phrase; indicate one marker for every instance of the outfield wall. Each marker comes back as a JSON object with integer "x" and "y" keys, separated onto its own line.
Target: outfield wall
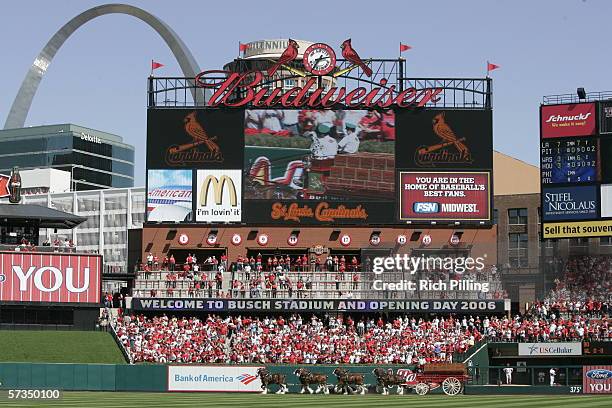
{"x": 111, "y": 377}
{"x": 223, "y": 378}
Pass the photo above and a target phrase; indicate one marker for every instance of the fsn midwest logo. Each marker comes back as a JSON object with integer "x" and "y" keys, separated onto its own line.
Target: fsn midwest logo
{"x": 599, "y": 374}
{"x": 450, "y": 150}
{"x": 246, "y": 379}
{"x": 202, "y": 149}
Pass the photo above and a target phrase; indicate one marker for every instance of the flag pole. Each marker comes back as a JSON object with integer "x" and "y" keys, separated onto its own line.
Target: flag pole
{"x": 151, "y": 68}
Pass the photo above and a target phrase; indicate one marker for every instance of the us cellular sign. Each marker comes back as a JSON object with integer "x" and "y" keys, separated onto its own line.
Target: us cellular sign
{"x": 50, "y": 277}
{"x": 549, "y": 349}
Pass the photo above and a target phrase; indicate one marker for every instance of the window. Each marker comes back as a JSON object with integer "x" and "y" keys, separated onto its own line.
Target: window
{"x": 518, "y": 250}
{"x": 579, "y": 242}
{"x": 605, "y": 241}
{"x": 517, "y": 216}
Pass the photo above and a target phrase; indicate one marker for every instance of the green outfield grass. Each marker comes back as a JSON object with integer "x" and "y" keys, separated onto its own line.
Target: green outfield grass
{"x": 129, "y": 399}
{"x": 59, "y": 347}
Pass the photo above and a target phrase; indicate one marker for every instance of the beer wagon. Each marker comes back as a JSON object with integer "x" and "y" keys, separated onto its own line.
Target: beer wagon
{"x": 451, "y": 377}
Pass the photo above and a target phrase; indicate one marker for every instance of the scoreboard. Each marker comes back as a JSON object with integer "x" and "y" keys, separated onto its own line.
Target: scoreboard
{"x": 576, "y": 170}
{"x": 568, "y": 161}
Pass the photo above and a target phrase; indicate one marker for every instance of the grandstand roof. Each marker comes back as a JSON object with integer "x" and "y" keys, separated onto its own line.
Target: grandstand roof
{"x": 31, "y": 213}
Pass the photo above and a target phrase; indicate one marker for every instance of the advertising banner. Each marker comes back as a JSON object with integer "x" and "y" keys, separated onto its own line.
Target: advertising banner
{"x": 568, "y": 161}
{"x": 577, "y": 119}
{"x": 219, "y": 196}
{"x": 198, "y": 378}
{"x": 326, "y": 155}
{"x": 308, "y": 212}
{"x": 169, "y": 195}
{"x": 605, "y": 117}
{"x": 460, "y": 196}
{"x": 569, "y": 203}
{"x": 584, "y": 229}
{"x": 200, "y": 139}
{"x": 606, "y": 200}
{"x": 50, "y": 277}
{"x": 597, "y": 379}
{"x": 444, "y": 139}
{"x": 296, "y": 305}
{"x": 553, "y": 349}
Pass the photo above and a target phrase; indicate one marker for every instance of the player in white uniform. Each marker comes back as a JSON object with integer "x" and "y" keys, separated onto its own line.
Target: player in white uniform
{"x": 508, "y": 370}
{"x": 552, "y": 373}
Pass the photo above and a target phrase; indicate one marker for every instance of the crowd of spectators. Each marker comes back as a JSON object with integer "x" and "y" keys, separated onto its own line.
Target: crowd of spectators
{"x": 583, "y": 278}
{"x": 254, "y": 277}
{"x": 408, "y": 339}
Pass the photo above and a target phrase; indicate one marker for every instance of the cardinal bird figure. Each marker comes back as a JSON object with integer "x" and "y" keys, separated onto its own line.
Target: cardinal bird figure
{"x": 441, "y": 128}
{"x": 351, "y": 55}
{"x": 199, "y": 135}
{"x": 290, "y": 53}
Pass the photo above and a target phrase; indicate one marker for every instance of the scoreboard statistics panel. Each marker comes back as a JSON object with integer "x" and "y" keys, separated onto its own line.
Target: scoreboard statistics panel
{"x": 568, "y": 161}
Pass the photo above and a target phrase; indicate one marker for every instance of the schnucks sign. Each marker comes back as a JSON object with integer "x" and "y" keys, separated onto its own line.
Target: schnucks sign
{"x": 50, "y": 277}
{"x": 597, "y": 379}
{"x": 576, "y": 119}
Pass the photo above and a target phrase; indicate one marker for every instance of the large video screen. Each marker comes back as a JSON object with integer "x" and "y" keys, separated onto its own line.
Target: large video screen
{"x": 50, "y": 277}
{"x": 331, "y": 155}
{"x": 445, "y": 139}
{"x": 316, "y": 167}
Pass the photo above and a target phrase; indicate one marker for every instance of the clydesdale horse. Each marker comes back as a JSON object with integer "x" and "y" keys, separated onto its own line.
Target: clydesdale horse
{"x": 346, "y": 380}
{"x": 268, "y": 378}
{"x": 386, "y": 379}
{"x": 307, "y": 378}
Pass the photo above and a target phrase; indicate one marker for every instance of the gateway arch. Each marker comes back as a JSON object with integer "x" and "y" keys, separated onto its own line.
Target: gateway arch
{"x": 21, "y": 105}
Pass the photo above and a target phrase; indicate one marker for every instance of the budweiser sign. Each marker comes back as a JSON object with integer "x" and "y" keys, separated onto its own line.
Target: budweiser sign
{"x": 49, "y": 277}
{"x": 249, "y": 89}
{"x": 322, "y": 212}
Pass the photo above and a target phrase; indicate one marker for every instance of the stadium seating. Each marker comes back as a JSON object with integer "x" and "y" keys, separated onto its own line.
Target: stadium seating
{"x": 296, "y": 339}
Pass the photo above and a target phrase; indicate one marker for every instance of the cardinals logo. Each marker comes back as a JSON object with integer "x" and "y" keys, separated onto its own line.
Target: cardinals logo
{"x": 193, "y": 153}
{"x": 450, "y": 148}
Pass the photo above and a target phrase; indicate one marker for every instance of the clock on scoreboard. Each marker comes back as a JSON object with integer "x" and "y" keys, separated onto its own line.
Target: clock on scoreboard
{"x": 568, "y": 161}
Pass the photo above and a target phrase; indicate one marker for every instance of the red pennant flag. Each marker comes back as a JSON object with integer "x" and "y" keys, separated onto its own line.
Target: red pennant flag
{"x": 404, "y": 47}
{"x": 155, "y": 65}
{"x": 491, "y": 67}
{"x": 243, "y": 47}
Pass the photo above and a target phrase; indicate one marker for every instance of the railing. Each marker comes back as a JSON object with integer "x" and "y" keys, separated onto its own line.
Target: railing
{"x": 316, "y": 285}
{"x": 461, "y": 93}
{"x": 573, "y": 98}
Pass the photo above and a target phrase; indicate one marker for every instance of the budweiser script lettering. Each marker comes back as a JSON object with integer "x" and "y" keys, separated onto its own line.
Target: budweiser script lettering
{"x": 241, "y": 89}
{"x": 322, "y": 212}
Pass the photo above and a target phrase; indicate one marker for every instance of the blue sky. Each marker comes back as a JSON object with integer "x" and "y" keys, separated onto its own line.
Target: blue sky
{"x": 98, "y": 78}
